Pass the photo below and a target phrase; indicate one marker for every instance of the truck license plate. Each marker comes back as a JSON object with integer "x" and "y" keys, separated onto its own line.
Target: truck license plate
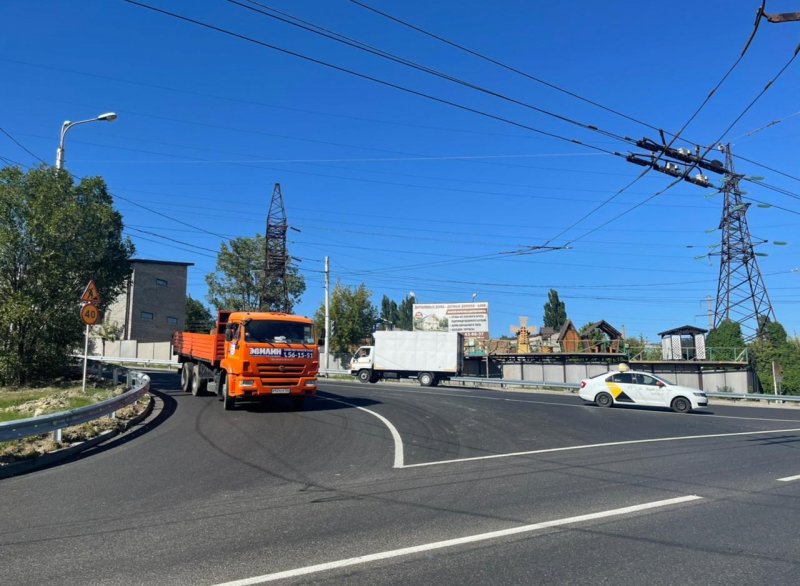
{"x": 281, "y": 391}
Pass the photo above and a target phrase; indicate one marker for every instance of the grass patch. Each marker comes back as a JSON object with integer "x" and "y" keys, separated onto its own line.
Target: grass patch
{"x": 59, "y": 396}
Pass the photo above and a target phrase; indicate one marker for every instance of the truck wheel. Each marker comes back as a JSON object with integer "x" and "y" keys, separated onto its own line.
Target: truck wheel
{"x": 375, "y": 377}
{"x": 222, "y": 380}
{"x": 198, "y": 382}
{"x": 186, "y": 377}
{"x": 228, "y": 402}
{"x": 426, "y": 379}
{"x": 364, "y": 375}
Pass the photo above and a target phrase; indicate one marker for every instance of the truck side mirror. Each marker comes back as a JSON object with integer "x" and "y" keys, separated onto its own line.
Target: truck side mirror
{"x": 228, "y": 336}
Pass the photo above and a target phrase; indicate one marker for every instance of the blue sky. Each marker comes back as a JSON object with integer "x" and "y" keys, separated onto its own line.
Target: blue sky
{"x": 407, "y": 193}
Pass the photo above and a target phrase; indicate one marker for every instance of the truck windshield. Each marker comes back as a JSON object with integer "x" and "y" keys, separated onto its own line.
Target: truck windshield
{"x": 278, "y": 332}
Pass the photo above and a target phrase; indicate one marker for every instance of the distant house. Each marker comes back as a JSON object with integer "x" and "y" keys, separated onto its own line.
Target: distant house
{"x": 564, "y": 339}
{"x": 153, "y": 305}
{"x": 683, "y": 343}
{"x": 601, "y": 337}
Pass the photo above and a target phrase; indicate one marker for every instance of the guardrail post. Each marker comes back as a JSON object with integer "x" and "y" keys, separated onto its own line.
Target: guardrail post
{"x": 57, "y": 435}
{"x": 115, "y": 376}
{"x": 128, "y": 379}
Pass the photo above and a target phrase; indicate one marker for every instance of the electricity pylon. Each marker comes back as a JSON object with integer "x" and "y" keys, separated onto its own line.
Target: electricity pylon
{"x": 741, "y": 293}
{"x": 275, "y": 256}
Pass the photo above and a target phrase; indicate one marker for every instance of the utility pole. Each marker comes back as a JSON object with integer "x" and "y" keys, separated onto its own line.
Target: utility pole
{"x": 741, "y": 293}
{"x": 275, "y": 255}
{"x": 327, "y": 315}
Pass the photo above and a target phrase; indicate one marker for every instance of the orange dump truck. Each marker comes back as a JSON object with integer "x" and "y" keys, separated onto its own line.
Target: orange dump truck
{"x": 251, "y": 355}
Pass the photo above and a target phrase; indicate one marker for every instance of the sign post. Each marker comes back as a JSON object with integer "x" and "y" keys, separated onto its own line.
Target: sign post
{"x": 90, "y": 315}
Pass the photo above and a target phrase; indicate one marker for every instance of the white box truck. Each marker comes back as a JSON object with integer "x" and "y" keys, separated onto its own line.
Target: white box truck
{"x": 430, "y": 357}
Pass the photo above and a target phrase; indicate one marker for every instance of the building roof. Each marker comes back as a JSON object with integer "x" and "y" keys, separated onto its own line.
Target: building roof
{"x": 683, "y": 331}
{"x": 161, "y": 262}
{"x": 606, "y": 328}
{"x": 565, "y": 327}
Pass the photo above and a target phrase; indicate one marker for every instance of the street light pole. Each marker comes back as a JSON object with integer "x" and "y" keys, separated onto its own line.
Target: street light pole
{"x": 107, "y": 117}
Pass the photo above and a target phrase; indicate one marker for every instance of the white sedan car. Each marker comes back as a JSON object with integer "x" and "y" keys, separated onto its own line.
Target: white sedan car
{"x": 640, "y": 388}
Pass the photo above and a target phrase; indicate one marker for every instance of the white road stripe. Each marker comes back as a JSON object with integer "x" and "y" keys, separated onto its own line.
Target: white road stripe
{"x": 604, "y": 445}
{"x": 398, "y": 441}
{"x": 789, "y": 478}
{"x": 384, "y": 555}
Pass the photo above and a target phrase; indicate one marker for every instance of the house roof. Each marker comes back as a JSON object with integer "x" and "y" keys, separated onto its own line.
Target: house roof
{"x": 565, "y": 328}
{"x": 606, "y": 328}
{"x": 683, "y": 331}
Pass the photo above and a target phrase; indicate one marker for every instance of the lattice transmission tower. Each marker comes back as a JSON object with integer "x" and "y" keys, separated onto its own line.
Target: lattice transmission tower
{"x": 741, "y": 293}
{"x": 275, "y": 294}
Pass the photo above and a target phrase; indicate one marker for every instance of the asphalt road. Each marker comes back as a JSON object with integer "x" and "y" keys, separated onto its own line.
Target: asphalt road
{"x": 439, "y": 485}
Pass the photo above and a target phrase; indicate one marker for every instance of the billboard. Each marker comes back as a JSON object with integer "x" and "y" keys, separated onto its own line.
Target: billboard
{"x": 470, "y": 319}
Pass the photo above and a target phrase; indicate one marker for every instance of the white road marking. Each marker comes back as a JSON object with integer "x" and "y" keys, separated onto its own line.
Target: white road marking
{"x": 789, "y": 478}
{"x": 398, "y": 441}
{"x": 384, "y": 555}
{"x": 603, "y": 445}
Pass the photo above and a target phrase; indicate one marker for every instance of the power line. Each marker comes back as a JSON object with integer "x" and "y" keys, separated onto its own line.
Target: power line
{"x": 370, "y": 78}
{"x": 310, "y": 27}
{"x": 23, "y": 147}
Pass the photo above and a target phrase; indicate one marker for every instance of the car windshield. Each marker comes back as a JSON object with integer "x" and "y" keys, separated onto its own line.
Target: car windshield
{"x": 278, "y": 332}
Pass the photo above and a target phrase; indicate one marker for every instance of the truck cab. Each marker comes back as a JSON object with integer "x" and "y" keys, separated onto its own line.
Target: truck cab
{"x": 362, "y": 363}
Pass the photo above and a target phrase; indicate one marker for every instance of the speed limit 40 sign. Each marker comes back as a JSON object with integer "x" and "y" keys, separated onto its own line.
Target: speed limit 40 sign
{"x": 90, "y": 315}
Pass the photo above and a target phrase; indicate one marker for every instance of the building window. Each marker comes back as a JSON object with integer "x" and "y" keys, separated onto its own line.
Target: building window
{"x": 172, "y": 320}
{"x": 161, "y": 283}
{"x": 146, "y": 315}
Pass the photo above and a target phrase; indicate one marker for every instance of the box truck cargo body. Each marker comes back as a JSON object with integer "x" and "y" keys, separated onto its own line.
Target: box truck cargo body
{"x": 430, "y": 357}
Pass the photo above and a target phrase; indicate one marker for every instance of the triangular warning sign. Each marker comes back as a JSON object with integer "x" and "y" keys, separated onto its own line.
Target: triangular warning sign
{"x": 90, "y": 294}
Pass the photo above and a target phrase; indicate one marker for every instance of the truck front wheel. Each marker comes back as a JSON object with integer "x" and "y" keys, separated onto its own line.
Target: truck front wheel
{"x": 228, "y": 402}
{"x": 426, "y": 379}
{"x": 186, "y": 377}
{"x": 364, "y": 375}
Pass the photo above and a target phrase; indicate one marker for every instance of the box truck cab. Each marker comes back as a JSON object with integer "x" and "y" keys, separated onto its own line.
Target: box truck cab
{"x": 430, "y": 357}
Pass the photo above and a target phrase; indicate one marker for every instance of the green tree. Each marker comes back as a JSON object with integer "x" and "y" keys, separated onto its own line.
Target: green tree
{"x": 55, "y": 236}
{"x": 352, "y": 317}
{"x": 725, "y": 342}
{"x": 555, "y": 311}
{"x": 198, "y": 317}
{"x": 405, "y": 314}
{"x": 390, "y": 314}
{"x": 238, "y": 283}
{"x": 774, "y": 346}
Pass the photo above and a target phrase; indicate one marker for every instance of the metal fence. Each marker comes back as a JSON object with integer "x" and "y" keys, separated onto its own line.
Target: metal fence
{"x": 137, "y": 383}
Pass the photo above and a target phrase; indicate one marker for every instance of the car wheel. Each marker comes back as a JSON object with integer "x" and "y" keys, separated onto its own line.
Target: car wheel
{"x": 604, "y": 399}
{"x": 681, "y": 405}
{"x": 186, "y": 377}
{"x": 364, "y": 375}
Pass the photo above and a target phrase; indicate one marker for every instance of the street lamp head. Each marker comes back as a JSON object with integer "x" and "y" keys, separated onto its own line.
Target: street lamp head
{"x": 108, "y": 117}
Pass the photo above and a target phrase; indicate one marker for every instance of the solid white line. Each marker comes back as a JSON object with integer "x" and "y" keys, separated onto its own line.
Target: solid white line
{"x": 789, "y": 478}
{"x": 604, "y": 445}
{"x": 384, "y": 555}
{"x": 398, "y": 441}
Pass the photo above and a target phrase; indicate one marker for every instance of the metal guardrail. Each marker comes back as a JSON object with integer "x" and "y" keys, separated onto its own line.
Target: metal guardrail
{"x": 752, "y": 396}
{"x": 139, "y": 384}
{"x": 513, "y": 383}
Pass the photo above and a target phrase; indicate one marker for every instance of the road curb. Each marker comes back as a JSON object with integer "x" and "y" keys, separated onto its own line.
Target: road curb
{"x": 51, "y": 458}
